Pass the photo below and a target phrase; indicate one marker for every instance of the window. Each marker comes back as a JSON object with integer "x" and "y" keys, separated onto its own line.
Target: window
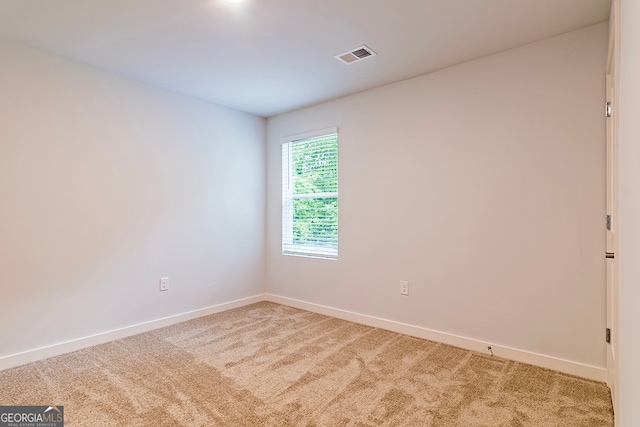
{"x": 310, "y": 194}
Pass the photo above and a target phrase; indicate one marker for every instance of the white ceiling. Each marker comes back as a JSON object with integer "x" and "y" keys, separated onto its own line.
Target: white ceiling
{"x": 266, "y": 57}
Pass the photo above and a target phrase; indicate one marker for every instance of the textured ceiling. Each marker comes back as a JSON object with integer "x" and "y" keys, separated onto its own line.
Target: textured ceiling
{"x": 266, "y": 57}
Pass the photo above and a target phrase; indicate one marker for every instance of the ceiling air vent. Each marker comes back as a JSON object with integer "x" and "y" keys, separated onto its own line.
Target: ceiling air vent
{"x": 355, "y": 55}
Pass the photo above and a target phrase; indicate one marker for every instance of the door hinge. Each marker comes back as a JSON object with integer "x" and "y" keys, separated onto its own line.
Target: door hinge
{"x": 609, "y": 222}
{"x": 607, "y": 109}
{"x": 608, "y": 336}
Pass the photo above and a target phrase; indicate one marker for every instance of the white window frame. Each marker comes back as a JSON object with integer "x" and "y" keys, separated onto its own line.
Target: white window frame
{"x": 288, "y": 247}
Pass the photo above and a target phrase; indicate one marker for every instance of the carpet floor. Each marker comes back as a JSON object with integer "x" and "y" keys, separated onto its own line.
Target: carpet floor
{"x": 271, "y": 365}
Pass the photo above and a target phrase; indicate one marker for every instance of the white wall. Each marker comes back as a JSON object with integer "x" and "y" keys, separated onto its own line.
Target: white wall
{"x": 483, "y": 186}
{"x": 628, "y": 414}
{"x": 106, "y": 185}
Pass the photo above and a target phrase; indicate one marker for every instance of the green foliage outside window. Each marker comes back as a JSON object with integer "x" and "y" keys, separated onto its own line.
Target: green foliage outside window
{"x": 315, "y": 177}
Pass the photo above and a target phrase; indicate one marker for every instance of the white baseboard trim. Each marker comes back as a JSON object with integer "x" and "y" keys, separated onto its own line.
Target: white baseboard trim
{"x": 549, "y": 362}
{"x": 18, "y": 359}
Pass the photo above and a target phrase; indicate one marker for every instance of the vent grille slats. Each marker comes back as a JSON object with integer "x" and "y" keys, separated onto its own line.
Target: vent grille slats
{"x": 361, "y": 53}
{"x": 355, "y": 55}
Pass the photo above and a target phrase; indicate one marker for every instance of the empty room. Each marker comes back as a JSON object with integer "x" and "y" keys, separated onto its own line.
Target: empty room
{"x": 322, "y": 212}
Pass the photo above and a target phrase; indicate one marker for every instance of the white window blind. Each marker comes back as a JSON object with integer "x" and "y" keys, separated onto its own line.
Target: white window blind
{"x": 310, "y": 194}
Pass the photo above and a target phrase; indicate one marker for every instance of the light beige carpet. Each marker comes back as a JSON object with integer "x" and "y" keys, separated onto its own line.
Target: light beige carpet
{"x": 272, "y": 365}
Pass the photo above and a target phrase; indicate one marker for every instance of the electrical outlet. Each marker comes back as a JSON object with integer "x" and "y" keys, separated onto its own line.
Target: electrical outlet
{"x": 164, "y": 284}
{"x": 404, "y": 288}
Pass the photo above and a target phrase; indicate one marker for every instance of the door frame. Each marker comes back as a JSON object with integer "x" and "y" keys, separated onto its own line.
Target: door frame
{"x": 612, "y": 199}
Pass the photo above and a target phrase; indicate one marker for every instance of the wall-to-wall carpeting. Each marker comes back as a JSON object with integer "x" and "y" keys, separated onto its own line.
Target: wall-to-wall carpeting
{"x": 270, "y": 365}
